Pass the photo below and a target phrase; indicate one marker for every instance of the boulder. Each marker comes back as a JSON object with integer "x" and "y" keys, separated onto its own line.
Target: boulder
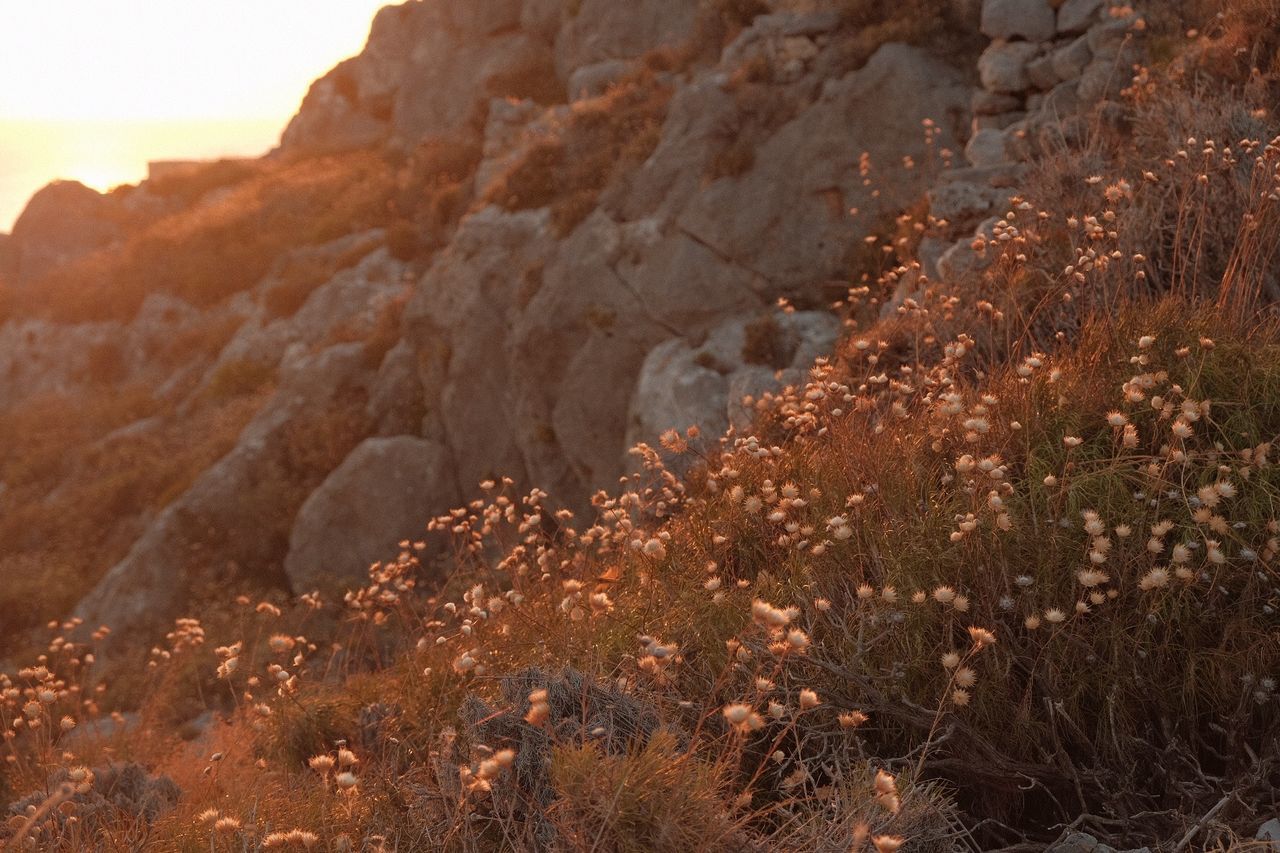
{"x": 1107, "y": 39}
{"x": 1269, "y": 835}
{"x": 986, "y": 148}
{"x": 1061, "y": 101}
{"x": 1102, "y": 78}
{"x": 215, "y": 520}
{"x": 1042, "y": 73}
{"x": 1032, "y": 20}
{"x": 683, "y": 384}
{"x": 384, "y": 492}
{"x": 1076, "y": 16}
{"x": 962, "y": 201}
{"x": 1003, "y": 66}
{"x": 1070, "y": 60}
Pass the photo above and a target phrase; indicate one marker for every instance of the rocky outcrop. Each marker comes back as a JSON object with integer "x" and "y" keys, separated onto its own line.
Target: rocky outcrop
{"x": 682, "y": 385}
{"x": 545, "y": 338}
{"x": 381, "y": 494}
{"x": 64, "y": 221}
{"x": 218, "y": 520}
{"x": 42, "y": 357}
{"x": 428, "y": 63}
{"x": 527, "y": 347}
{"x": 1042, "y": 76}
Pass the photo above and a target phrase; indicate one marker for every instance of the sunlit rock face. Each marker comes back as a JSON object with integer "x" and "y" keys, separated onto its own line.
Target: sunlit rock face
{"x": 426, "y": 63}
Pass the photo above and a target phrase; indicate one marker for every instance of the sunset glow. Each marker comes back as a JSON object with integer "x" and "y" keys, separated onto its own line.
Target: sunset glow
{"x": 95, "y": 90}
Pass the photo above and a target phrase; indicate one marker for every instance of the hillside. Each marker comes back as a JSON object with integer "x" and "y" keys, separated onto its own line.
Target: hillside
{"x": 725, "y": 425}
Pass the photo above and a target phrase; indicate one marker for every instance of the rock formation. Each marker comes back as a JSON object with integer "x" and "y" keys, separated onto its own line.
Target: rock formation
{"x": 531, "y": 342}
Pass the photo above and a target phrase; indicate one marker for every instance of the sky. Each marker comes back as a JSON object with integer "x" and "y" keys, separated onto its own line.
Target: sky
{"x": 93, "y": 89}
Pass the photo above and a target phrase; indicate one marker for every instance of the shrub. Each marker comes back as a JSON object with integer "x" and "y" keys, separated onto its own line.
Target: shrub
{"x": 602, "y": 140}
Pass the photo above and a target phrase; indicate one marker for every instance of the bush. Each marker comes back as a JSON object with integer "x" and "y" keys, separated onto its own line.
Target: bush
{"x": 602, "y": 140}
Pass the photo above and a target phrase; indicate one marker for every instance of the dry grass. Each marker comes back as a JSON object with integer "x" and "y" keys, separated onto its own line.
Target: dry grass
{"x": 223, "y": 246}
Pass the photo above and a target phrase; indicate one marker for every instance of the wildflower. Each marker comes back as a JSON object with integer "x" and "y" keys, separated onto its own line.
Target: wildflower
{"x": 1154, "y": 579}
{"x": 886, "y": 788}
{"x": 208, "y": 816}
{"x": 654, "y": 548}
{"x": 347, "y": 758}
{"x": 981, "y": 636}
{"x": 960, "y": 696}
{"x": 742, "y": 718}
{"x": 965, "y": 677}
{"x": 852, "y": 719}
{"x": 539, "y": 708}
{"x": 1092, "y": 577}
{"x": 226, "y": 825}
{"x": 950, "y": 660}
{"x": 280, "y": 643}
{"x": 944, "y": 595}
{"x": 321, "y": 763}
{"x": 346, "y": 780}
{"x": 808, "y": 699}
{"x": 1054, "y": 615}
{"x": 887, "y": 843}
{"x": 1117, "y": 419}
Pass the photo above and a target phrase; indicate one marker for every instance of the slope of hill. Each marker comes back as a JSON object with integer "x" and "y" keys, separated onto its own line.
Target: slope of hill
{"x": 995, "y": 572}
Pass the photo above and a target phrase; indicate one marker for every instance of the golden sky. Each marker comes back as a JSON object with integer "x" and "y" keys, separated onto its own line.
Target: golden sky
{"x": 92, "y": 89}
